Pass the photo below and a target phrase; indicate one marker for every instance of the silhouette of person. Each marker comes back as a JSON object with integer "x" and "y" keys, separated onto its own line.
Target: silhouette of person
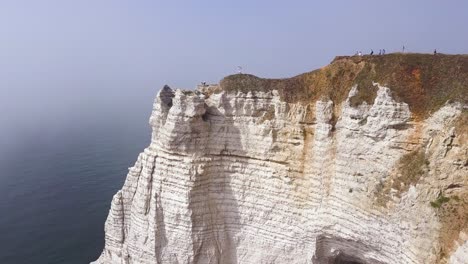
{"x": 372, "y": 52}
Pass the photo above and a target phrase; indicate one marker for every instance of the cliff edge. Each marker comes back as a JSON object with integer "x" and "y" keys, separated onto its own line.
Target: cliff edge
{"x": 362, "y": 161}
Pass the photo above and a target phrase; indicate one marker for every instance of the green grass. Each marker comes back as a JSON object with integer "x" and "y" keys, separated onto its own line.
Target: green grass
{"x": 440, "y": 201}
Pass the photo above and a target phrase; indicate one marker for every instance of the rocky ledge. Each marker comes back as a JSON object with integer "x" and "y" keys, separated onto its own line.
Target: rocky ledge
{"x": 362, "y": 161}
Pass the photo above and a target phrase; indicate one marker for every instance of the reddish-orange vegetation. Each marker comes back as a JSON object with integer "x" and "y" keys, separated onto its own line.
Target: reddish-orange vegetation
{"x": 425, "y": 82}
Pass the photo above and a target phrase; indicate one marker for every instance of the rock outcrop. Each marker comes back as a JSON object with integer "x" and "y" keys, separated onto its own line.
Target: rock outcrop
{"x": 325, "y": 167}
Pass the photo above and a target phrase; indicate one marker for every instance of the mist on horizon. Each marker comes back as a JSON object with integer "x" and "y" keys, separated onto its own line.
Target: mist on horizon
{"x": 77, "y": 64}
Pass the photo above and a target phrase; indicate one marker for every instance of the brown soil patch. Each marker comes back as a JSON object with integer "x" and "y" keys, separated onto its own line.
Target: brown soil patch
{"x": 410, "y": 168}
{"x": 453, "y": 216}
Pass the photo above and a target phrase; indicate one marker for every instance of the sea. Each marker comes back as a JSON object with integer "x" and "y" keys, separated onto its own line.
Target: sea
{"x": 56, "y": 186}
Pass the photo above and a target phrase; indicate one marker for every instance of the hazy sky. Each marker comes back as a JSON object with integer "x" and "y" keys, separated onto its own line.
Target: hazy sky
{"x": 71, "y": 62}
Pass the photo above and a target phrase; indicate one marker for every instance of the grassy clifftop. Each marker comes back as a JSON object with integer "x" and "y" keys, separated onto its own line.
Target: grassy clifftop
{"x": 423, "y": 81}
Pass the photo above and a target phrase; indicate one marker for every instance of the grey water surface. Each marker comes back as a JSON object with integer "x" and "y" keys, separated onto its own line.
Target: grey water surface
{"x": 56, "y": 188}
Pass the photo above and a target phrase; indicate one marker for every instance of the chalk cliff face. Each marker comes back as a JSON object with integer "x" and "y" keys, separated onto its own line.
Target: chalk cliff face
{"x": 250, "y": 175}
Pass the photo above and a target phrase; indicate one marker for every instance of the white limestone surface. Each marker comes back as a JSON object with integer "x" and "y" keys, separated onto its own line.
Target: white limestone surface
{"x": 461, "y": 254}
{"x": 248, "y": 178}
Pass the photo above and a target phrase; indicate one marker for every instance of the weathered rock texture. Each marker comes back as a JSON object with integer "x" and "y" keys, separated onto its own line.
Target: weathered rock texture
{"x": 272, "y": 171}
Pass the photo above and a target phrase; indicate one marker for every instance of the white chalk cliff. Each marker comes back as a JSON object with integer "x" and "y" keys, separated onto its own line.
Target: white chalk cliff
{"x": 247, "y": 177}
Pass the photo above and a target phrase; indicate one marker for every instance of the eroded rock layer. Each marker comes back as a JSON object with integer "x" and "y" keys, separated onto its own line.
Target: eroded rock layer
{"x": 247, "y": 176}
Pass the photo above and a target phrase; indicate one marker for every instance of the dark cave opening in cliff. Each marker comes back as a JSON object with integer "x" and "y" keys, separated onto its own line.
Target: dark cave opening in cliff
{"x": 335, "y": 250}
{"x": 344, "y": 259}
{"x": 346, "y": 262}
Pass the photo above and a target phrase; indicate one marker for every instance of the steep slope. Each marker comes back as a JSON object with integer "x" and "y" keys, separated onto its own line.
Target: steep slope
{"x": 362, "y": 161}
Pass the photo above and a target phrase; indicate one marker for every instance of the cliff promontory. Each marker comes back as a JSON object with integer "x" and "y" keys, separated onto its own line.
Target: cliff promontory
{"x": 362, "y": 161}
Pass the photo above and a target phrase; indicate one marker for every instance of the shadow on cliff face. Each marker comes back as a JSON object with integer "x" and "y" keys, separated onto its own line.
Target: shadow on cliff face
{"x": 215, "y": 215}
{"x": 160, "y": 232}
{"x": 336, "y": 250}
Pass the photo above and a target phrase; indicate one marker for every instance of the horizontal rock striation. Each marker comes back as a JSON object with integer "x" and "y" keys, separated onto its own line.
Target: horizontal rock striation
{"x": 248, "y": 175}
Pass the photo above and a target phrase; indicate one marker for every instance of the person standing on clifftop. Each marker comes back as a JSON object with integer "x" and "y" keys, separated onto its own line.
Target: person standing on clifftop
{"x": 372, "y": 52}
{"x": 383, "y": 52}
{"x": 435, "y": 51}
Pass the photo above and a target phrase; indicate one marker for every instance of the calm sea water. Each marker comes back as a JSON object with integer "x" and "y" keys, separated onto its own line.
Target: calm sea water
{"x": 56, "y": 188}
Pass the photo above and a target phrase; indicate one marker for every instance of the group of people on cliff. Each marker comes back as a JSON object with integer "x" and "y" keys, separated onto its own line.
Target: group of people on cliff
{"x": 382, "y": 52}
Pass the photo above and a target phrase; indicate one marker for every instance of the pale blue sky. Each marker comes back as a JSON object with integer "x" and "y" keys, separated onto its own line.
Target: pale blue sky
{"x": 64, "y": 62}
